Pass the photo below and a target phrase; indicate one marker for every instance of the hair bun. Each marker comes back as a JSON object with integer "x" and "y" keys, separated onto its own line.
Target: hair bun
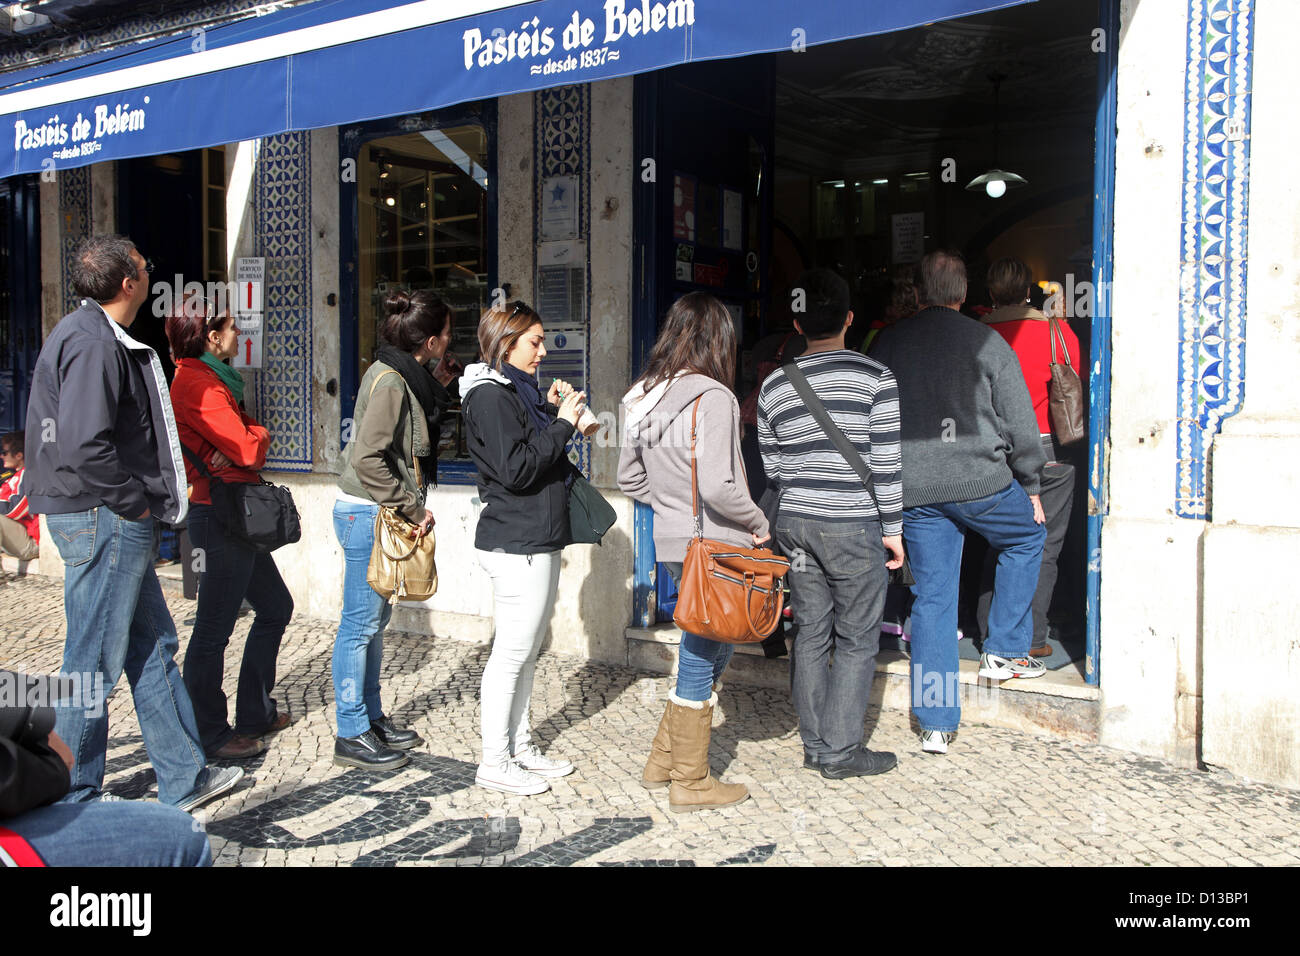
{"x": 398, "y": 302}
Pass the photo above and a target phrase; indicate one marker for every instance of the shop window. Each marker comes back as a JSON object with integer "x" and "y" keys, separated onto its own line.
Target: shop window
{"x": 424, "y": 220}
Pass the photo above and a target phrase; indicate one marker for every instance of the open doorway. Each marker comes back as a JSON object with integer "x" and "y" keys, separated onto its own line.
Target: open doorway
{"x": 874, "y": 143}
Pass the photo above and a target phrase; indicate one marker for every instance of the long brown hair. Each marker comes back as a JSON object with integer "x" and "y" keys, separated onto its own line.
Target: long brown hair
{"x": 500, "y": 328}
{"x": 698, "y": 336}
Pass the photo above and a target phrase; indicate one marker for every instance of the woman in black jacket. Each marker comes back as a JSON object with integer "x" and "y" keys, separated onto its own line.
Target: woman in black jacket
{"x": 517, "y": 439}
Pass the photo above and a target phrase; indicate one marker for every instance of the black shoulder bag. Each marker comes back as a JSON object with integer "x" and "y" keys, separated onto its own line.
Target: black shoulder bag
{"x": 901, "y": 576}
{"x": 590, "y": 515}
{"x": 259, "y": 514}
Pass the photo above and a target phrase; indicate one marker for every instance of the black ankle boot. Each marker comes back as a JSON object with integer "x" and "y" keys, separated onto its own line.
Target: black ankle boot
{"x": 367, "y": 752}
{"x": 395, "y": 739}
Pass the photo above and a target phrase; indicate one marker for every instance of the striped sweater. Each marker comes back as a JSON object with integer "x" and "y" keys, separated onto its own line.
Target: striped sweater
{"x": 816, "y": 482}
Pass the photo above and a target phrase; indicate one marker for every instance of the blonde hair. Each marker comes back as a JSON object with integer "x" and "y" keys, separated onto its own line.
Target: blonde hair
{"x": 499, "y": 329}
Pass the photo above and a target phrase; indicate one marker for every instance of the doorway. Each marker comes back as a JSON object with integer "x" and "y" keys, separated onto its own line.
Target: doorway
{"x": 20, "y": 296}
{"x": 173, "y": 207}
{"x": 879, "y": 146}
{"x": 705, "y": 226}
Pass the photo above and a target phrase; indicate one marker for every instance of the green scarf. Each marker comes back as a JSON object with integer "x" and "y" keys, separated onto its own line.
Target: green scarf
{"x": 232, "y": 379}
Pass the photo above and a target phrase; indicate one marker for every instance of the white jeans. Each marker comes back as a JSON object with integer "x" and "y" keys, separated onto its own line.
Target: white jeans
{"x": 524, "y": 588}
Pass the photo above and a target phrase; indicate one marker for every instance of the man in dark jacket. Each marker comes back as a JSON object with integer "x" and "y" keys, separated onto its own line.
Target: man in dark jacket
{"x": 971, "y": 460}
{"x": 35, "y": 767}
{"x": 104, "y": 466}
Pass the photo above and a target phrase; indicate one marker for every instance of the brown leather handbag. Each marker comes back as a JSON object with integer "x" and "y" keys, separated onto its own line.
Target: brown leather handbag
{"x": 1064, "y": 393}
{"x": 727, "y": 593}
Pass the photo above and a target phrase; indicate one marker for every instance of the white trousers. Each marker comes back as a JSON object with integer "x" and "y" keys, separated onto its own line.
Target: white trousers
{"x": 524, "y": 589}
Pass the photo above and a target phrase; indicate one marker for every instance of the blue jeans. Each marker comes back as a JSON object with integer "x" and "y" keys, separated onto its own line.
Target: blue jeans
{"x": 359, "y": 645}
{"x": 700, "y": 661}
{"x": 837, "y": 589}
{"x": 231, "y": 572}
{"x": 129, "y": 833}
{"x": 933, "y": 535}
{"x": 118, "y": 622}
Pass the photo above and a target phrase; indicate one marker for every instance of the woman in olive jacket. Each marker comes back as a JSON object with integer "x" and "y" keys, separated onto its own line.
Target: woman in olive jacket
{"x": 389, "y": 463}
{"x": 517, "y": 439}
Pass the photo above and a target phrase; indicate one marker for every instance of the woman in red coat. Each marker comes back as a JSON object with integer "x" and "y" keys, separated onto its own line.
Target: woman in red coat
{"x": 1028, "y": 332}
{"x": 206, "y": 395}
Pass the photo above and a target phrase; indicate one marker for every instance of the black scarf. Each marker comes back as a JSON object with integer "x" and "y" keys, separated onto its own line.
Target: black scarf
{"x": 534, "y": 403}
{"x": 432, "y": 396}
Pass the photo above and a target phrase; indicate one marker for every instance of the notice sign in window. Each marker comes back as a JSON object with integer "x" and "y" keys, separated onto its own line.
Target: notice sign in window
{"x": 909, "y": 237}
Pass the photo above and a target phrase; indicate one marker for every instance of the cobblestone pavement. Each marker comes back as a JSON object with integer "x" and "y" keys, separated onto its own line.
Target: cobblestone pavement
{"x": 999, "y": 798}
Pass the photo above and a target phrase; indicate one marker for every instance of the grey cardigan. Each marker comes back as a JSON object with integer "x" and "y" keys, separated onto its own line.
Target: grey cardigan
{"x": 655, "y": 467}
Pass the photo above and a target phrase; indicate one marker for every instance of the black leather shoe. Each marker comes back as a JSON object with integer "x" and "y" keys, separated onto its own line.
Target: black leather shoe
{"x": 864, "y": 763}
{"x": 367, "y": 752}
{"x": 811, "y": 761}
{"x": 390, "y": 735}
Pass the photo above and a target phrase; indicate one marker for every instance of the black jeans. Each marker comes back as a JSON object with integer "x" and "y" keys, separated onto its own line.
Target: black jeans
{"x": 231, "y": 572}
{"x": 837, "y": 586}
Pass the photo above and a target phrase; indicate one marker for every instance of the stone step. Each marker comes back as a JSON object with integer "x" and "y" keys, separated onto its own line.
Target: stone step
{"x": 11, "y": 565}
{"x": 1059, "y": 703}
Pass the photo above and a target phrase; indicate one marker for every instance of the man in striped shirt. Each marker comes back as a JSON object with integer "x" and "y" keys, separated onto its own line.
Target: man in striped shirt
{"x": 830, "y": 524}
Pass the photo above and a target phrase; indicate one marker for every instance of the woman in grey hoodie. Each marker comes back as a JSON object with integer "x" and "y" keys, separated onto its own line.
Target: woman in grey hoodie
{"x": 693, "y": 360}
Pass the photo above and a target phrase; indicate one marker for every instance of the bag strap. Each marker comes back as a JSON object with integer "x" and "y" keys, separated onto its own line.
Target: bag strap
{"x": 695, "y": 487}
{"x": 415, "y": 462}
{"x": 198, "y": 463}
{"x": 1054, "y": 330}
{"x": 823, "y": 418}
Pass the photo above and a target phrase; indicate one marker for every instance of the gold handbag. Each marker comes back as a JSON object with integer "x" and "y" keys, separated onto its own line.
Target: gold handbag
{"x": 401, "y": 560}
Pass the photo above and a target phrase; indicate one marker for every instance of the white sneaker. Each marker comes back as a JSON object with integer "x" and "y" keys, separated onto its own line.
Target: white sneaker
{"x": 935, "y": 741}
{"x": 510, "y": 777}
{"x": 533, "y": 760}
{"x": 1002, "y": 668}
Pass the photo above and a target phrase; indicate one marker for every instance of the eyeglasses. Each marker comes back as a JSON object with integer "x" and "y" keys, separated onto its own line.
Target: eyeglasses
{"x": 148, "y": 267}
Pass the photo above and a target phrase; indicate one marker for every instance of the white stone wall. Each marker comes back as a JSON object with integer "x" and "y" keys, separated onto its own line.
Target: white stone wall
{"x": 1250, "y": 611}
{"x": 1149, "y": 558}
{"x": 1199, "y": 659}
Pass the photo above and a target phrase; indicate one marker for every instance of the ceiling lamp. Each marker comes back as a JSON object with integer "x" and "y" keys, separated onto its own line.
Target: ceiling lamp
{"x": 996, "y": 181}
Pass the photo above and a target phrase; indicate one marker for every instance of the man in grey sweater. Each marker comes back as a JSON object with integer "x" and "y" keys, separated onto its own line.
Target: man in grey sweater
{"x": 971, "y": 460}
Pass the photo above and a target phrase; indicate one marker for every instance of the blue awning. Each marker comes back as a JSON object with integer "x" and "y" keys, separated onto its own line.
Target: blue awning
{"x": 342, "y": 61}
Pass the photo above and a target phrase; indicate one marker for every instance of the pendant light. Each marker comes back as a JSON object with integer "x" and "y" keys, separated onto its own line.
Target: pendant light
{"x": 996, "y": 181}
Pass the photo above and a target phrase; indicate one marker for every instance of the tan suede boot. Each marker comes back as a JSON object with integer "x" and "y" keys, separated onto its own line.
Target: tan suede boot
{"x": 658, "y": 769}
{"x": 690, "y": 724}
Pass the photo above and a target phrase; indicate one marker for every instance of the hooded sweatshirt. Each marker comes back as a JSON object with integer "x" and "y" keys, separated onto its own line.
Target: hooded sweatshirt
{"x": 655, "y": 464}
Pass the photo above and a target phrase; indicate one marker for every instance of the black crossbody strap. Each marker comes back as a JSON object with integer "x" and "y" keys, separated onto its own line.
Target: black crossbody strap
{"x": 198, "y": 463}
{"x": 823, "y": 418}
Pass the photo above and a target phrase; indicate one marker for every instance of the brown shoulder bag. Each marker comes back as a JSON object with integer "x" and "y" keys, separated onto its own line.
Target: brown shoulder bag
{"x": 728, "y": 593}
{"x": 1064, "y": 393}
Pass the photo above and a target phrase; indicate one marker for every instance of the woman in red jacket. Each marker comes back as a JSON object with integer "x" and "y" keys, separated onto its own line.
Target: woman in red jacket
{"x": 1028, "y": 332}
{"x": 207, "y": 395}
